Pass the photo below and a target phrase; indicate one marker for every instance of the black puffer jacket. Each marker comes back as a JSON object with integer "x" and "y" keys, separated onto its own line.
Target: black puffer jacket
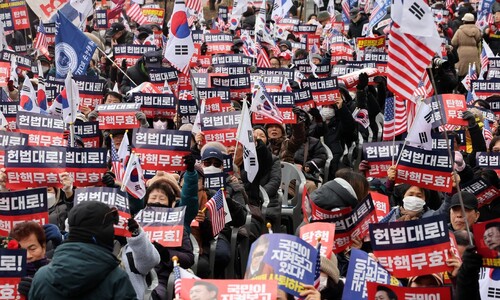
{"x": 333, "y": 195}
{"x": 138, "y": 73}
{"x": 316, "y": 153}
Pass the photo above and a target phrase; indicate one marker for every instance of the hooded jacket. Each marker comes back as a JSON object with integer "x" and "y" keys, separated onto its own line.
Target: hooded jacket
{"x": 336, "y": 193}
{"x": 82, "y": 271}
{"x": 466, "y": 41}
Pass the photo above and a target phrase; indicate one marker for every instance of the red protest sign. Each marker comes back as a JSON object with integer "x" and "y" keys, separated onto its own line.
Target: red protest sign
{"x": 163, "y": 225}
{"x": 376, "y": 290}
{"x": 412, "y": 248}
{"x": 454, "y": 105}
{"x": 382, "y": 206}
{"x": 228, "y": 289}
{"x": 325, "y": 231}
{"x": 484, "y": 192}
{"x": 4, "y": 73}
{"x": 118, "y": 116}
{"x": 487, "y": 240}
{"x": 380, "y": 156}
{"x": 215, "y": 104}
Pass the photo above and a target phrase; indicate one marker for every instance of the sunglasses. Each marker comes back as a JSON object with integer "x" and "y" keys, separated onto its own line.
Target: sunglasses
{"x": 160, "y": 118}
{"x": 212, "y": 162}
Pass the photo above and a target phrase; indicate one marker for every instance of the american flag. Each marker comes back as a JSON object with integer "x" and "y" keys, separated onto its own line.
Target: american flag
{"x": 317, "y": 270}
{"x": 449, "y": 3}
{"x": 408, "y": 58}
{"x": 135, "y": 13}
{"x": 424, "y": 88}
{"x": 471, "y": 75}
{"x": 116, "y": 162}
{"x": 486, "y": 53}
{"x": 41, "y": 42}
{"x": 217, "y": 213}
{"x": 262, "y": 58}
{"x": 346, "y": 10}
{"x": 194, "y": 5}
{"x": 395, "y": 118}
{"x": 177, "y": 282}
{"x": 487, "y": 134}
{"x": 115, "y": 11}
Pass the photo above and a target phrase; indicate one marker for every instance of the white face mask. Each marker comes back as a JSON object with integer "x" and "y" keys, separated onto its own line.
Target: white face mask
{"x": 211, "y": 170}
{"x": 45, "y": 69}
{"x": 51, "y": 199}
{"x": 159, "y": 125}
{"x": 327, "y": 113}
{"x": 323, "y": 281}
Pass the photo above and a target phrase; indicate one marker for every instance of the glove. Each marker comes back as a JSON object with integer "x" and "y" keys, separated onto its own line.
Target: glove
{"x": 301, "y": 114}
{"x": 133, "y": 227}
{"x": 92, "y": 116}
{"x": 52, "y": 233}
{"x": 189, "y": 161}
{"x": 469, "y": 116}
{"x": 314, "y": 112}
{"x": 24, "y": 286}
{"x": 362, "y": 81}
{"x": 141, "y": 117}
{"x": 108, "y": 179}
{"x": 471, "y": 260}
{"x": 364, "y": 166}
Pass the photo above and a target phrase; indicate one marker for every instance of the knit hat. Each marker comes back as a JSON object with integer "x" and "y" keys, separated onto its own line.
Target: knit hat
{"x": 92, "y": 222}
{"x": 169, "y": 178}
{"x": 323, "y": 16}
{"x": 330, "y": 267}
{"x": 261, "y": 128}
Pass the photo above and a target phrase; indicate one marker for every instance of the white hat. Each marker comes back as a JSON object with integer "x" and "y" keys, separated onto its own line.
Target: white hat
{"x": 468, "y": 17}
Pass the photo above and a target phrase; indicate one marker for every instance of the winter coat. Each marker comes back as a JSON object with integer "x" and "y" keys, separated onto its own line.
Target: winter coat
{"x": 137, "y": 73}
{"x": 444, "y": 209}
{"x": 189, "y": 198}
{"x": 356, "y": 28}
{"x": 316, "y": 153}
{"x": 82, "y": 271}
{"x": 333, "y": 195}
{"x": 466, "y": 41}
{"x": 139, "y": 257}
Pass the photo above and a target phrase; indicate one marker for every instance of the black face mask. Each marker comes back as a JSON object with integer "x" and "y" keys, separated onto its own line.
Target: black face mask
{"x": 156, "y": 204}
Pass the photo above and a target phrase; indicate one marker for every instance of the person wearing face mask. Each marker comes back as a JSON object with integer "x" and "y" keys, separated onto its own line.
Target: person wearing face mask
{"x": 46, "y": 66}
{"x": 212, "y": 156}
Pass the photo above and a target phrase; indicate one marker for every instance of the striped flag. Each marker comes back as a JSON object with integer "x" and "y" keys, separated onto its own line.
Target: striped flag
{"x": 487, "y": 134}
{"x": 194, "y": 5}
{"x": 346, "y": 11}
{"x": 317, "y": 270}
{"x": 216, "y": 207}
{"x": 116, "y": 162}
{"x": 449, "y": 3}
{"x": 395, "y": 118}
{"x": 115, "y": 11}
{"x": 135, "y": 13}
{"x": 471, "y": 75}
{"x": 414, "y": 41}
{"x": 262, "y": 58}
{"x": 179, "y": 273}
{"x": 486, "y": 53}
{"x": 41, "y": 43}
{"x": 424, "y": 89}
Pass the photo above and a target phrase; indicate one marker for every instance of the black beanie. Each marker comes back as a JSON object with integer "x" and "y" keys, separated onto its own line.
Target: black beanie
{"x": 92, "y": 222}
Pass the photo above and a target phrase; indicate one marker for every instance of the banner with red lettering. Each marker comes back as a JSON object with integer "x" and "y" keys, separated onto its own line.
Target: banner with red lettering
{"x": 484, "y": 191}
{"x": 304, "y": 99}
{"x": 312, "y": 212}
{"x": 9, "y": 138}
{"x": 161, "y": 149}
{"x": 130, "y": 53}
{"x": 21, "y": 206}
{"x": 118, "y": 116}
{"x": 352, "y": 225}
{"x": 487, "y": 241}
{"x": 285, "y": 103}
{"x": 324, "y": 231}
{"x": 109, "y": 196}
{"x": 153, "y": 105}
{"x": 86, "y": 166}
{"x": 424, "y": 168}
{"x": 163, "y": 225}
{"x": 23, "y": 62}
{"x": 325, "y": 91}
{"x": 14, "y": 15}
{"x": 43, "y": 130}
{"x": 380, "y": 156}
{"x": 399, "y": 292}
{"x": 228, "y": 289}
{"x": 153, "y": 15}
{"x": 12, "y": 269}
{"x": 412, "y": 248}
{"x": 4, "y": 73}
{"x": 382, "y": 206}
{"x": 220, "y": 127}
{"x": 215, "y": 105}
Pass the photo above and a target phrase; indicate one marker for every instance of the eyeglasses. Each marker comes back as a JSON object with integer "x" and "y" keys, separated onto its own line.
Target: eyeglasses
{"x": 212, "y": 162}
{"x": 160, "y": 118}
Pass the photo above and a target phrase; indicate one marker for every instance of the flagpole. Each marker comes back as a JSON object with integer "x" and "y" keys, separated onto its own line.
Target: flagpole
{"x": 454, "y": 172}
{"x": 175, "y": 260}
{"x": 409, "y": 130}
{"x": 394, "y": 126}
{"x": 116, "y": 65}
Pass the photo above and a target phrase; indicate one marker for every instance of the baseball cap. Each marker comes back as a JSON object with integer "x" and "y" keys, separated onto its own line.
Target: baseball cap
{"x": 153, "y": 59}
{"x": 212, "y": 152}
{"x": 115, "y": 27}
{"x": 470, "y": 201}
{"x": 354, "y": 12}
